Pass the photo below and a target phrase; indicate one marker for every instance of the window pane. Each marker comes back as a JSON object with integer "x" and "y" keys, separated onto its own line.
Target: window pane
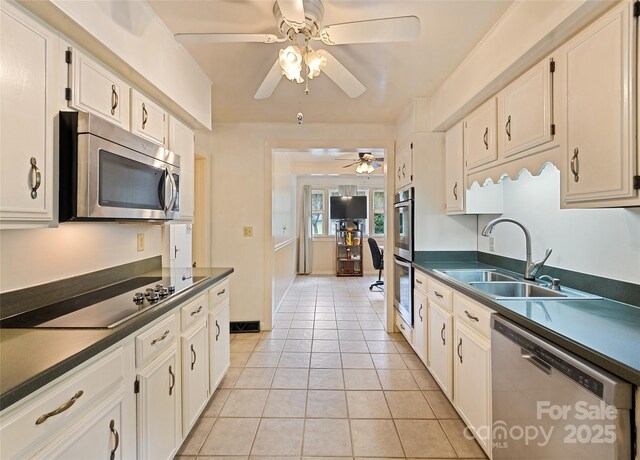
{"x": 378, "y": 223}
{"x": 378, "y": 199}
{"x": 361, "y": 193}
{"x": 317, "y": 200}
{"x": 316, "y": 223}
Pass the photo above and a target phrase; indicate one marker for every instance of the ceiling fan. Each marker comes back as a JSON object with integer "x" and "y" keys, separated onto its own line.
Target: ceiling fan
{"x": 366, "y": 163}
{"x": 300, "y": 22}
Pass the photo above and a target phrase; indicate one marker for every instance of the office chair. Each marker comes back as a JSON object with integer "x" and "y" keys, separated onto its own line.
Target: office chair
{"x": 378, "y": 262}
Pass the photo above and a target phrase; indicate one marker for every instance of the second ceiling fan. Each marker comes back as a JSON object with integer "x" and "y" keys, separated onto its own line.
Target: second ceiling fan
{"x": 300, "y": 22}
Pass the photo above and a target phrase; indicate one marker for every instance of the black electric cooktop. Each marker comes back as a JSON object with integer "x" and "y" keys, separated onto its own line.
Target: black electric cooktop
{"x": 104, "y": 308}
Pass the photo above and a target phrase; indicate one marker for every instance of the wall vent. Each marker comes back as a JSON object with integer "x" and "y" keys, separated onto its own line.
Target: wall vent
{"x": 243, "y": 327}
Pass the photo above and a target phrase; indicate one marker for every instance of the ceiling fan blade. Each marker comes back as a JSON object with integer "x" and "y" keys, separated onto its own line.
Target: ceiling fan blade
{"x": 341, "y": 76}
{"x": 227, "y": 38}
{"x": 351, "y": 164}
{"x": 400, "y": 29}
{"x": 293, "y": 13}
{"x": 374, "y": 164}
{"x": 270, "y": 82}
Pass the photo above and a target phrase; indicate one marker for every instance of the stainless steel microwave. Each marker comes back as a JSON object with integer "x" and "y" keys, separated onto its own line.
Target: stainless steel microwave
{"x": 108, "y": 173}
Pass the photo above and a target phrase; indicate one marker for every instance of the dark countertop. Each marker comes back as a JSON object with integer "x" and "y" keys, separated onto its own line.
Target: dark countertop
{"x": 604, "y": 332}
{"x": 31, "y": 358}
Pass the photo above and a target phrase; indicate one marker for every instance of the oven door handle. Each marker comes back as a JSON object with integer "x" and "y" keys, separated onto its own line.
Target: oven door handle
{"x": 403, "y": 264}
{"x": 402, "y": 204}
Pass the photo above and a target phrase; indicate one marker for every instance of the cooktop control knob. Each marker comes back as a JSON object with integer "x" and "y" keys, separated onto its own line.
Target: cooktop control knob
{"x": 159, "y": 287}
{"x": 171, "y": 289}
{"x": 149, "y": 291}
{"x": 153, "y": 297}
{"x": 163, "y": 292}
{"x": 138, "y": 297}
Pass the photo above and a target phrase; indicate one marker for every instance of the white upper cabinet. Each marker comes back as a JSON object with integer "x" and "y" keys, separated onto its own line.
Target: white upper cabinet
{"x": 600, "y": 159}
{"x": 525, "y": 111}
{"x": 480, "y": 146}
{"x": 27, "y": 104}
{"x": 97, "y": 90}
{"x": 454, "y": 183}
{"x": 148, "y": 119}
{"x": 182, "y": 142}
{"x": 404, "y": 171}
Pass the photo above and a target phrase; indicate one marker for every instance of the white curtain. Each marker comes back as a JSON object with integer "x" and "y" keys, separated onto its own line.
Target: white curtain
{"x": 305, "y": 248}
{"x": 347, "y": 190}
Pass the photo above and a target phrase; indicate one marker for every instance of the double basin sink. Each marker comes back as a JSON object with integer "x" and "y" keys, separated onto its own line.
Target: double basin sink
{"x": 501, "y": 286}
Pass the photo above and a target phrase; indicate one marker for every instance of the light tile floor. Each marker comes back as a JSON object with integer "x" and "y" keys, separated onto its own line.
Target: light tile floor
{"x": 328, "y": 382}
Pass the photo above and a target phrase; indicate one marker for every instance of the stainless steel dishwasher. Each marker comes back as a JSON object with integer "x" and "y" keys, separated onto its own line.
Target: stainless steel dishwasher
{"x": 550, "y": 404}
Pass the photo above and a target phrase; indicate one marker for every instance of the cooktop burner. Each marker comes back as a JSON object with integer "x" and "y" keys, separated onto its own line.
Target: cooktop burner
{"x": 105, "y": 308}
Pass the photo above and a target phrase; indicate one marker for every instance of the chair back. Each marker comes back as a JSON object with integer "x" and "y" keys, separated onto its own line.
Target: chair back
{"x": 376, "y": 255}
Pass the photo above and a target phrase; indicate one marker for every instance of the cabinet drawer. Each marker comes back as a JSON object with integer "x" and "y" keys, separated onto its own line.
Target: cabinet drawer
{"x": 473, "y": 315}
{"x": 440, "y": 293}
{"x": 60, "y": 405}
{"x": 156, "y": 339}
{"x": 406, "y": 330}
{"x": 420, "y": 281}
{"x": 148, "y": 119}
{"x": 219, "y": 294}
{"x": 194, "y": 311}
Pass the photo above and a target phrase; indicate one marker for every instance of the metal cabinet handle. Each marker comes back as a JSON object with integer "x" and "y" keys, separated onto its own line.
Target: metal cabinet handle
{"x": 195, "y": 312}
{"x": 173, "y": 381}
{"x": 193, "y": 357}
{"x": 36, "y": 178}
{"x": 455, "y": 190}
{"x": 398, "y": 172}
{"x": 145, "y": 116}
{"x": 60, "y": 409}
{"x": 161, "y": 338}
{"x": 507, "y": 127}
{"x": 438, "y": 295}
{"x": 114, "y": 99}
{"x": 442, "y": 334}
{"x": 470, "y": 316}
{"x": 485, "y": 138}
{"x": 402, "y": 326}
{"x": 418, "y": 281}
{"x": 403, "y": 166}
{"x": 575, "y": 165}
{"x": 222, "y": 292}
{"x": 420, "y": 313}
{"x": 116, "y": 437}
{"x": 459, "y": 351}
{"x": 217, "y": 330}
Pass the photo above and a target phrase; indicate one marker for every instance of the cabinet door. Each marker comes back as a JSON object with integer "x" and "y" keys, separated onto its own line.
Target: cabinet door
{"x": 526, "y": 111}
{"x": 27, "y": 110}
{"x": 219, "y": 346}
{"x": 472, "y": 382}
{"x": 454, "y": 183}
{"x": 600, "y": 159}
{"x": 148, "y": 119}
{"x": 181, "y": 141}
{"x": 159, "y": 407}
{"x": 440, "y": 347}
{"x": 480, "y": 136}
{"x": 95, "y": 89}
{"x": 420, "y": 324}
{"x": 403, "y": 173}
{"x": 195, "y": 375}
{"x": 99, "y": 435}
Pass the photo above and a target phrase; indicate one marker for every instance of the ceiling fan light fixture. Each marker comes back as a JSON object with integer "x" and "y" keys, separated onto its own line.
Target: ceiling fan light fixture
{"x": 315, "y": 61}
{"x": 290, "y": 60}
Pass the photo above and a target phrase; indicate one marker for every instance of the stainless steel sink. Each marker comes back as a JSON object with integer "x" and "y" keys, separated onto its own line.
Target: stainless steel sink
{"x": 516, "y": 290}
{"x": 471, "y": 276}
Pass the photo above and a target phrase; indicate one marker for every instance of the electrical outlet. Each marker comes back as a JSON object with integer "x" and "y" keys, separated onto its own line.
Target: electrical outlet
{"x": 140, "y": 242}
{"x": 492, "y": 244}
{"x": 247, "y": 231}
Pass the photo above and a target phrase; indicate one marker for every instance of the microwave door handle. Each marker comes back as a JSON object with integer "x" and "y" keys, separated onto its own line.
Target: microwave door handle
{"x": 174, "y": 191}
{"x": 167, "y": 181}
{"x": 171, "y": 201}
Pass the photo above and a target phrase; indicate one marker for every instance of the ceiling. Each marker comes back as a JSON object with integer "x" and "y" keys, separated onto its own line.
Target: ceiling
{"x": 331, "y": 162}
{"x": 393, "y": 73}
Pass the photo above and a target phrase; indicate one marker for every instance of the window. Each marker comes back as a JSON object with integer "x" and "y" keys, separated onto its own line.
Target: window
{"x": 317, "y": 212}
{"x": 332, "y": 222}
{"x": 378, "y": 212}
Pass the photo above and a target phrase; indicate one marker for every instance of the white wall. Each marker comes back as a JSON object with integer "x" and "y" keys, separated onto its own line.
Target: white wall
{"x": 36, "y": 256}
{"x": 238, "y": 188}
{"x": 603, "y": 242}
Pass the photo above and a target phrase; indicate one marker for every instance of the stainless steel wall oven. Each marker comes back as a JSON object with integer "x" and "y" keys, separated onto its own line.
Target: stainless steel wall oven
{"x": 403, "y": 253}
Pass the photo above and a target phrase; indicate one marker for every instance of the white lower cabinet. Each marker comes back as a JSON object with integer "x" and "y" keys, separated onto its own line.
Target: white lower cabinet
{"x": 420, "y": 324}
{"x": 219, "y": 339}
{"x": 472, "y": 382}
{"x": 440, "y": 349}
{"x": 195, "y": 374}
{"x": 159, "y": 418}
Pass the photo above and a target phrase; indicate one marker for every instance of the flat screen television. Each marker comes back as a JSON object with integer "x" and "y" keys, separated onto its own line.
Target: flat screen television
{"x": 348, "y": 207}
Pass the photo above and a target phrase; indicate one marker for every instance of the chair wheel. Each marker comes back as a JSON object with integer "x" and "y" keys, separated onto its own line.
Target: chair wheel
{"x": 371, "y": 288}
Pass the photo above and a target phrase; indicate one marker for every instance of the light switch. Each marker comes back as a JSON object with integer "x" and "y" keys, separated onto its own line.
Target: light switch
{"x": 140, "y": 242}
{"x": 247, "y": 231}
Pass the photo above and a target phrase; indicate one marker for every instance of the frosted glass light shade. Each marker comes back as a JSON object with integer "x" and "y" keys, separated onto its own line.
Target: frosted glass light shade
{"x": 315, "y": 62}
{"x": 290, "y": 60}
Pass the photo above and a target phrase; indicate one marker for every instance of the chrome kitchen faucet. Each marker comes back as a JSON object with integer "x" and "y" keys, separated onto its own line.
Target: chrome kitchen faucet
{"x": 530, "y": 268}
